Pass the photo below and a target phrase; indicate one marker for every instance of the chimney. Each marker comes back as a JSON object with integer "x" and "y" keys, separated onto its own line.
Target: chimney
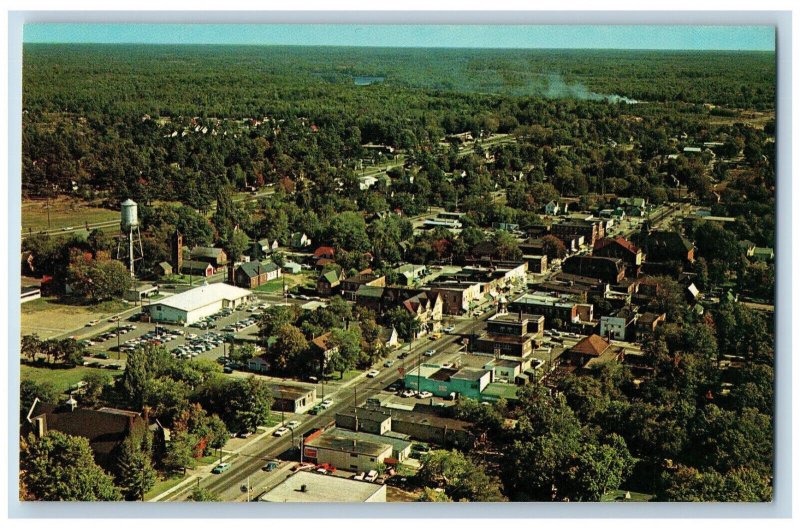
{"x": 40, "y": 428}
{"x": 72, "y": 403}
{"x": 303, "y": 488}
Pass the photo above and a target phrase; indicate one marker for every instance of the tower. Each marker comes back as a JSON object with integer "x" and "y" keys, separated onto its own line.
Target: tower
{"x": 129, "y": 245}
{"x": 176, "y": 249}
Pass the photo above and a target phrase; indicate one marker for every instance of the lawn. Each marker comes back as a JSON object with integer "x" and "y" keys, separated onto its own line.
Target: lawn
{"x": 271, "y": 287}
{"x": 349, "y": 375}
{"x": 51, "y": 316}
{"x": 62, "y": 379}
{"x": 163, "y": 484}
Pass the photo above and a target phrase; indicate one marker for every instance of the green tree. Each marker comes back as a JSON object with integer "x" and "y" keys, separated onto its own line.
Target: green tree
{"x": 274, "y": 318}
{"x": 288, "y": 347}
{"x": 135, "y": 473}
{"x": 553, "y": 247}
{"x": 460, "y": 478}
{"x": 599, "y": 468}
{"x": 180, "y": 451}
{"x": 203, "y": 494}
{"x": 30, "y": 390}
{"x": 60, "y": 467}
{"x": 96, "y": 383}
{"x": 686, "y": 484}
{"x": 434, "y": 496}
{"x": 144, "y": 365}
{"x": 249, "y": 403}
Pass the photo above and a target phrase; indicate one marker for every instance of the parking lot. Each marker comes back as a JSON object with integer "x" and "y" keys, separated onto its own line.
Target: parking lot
{"x": 205, "y": 339}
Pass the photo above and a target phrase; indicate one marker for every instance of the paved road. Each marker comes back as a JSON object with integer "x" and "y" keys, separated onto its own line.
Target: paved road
{"x": 250, "y": 461}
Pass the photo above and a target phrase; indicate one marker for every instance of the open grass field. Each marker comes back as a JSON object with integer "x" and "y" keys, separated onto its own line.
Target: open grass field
{"x": 64, "y": 212}
{"x": 62, "y": 379}
{"x": 164, "y": 483}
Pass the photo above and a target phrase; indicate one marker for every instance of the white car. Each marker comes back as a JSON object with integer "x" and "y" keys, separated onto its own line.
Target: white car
{"x": 280, "y": 432}
{"x": 408, "y": 393}
{"x": 327, "y": 403}
{"x": 424, "y": 395}
{"x": 293, "y": 424}
{"x": 92, "y": 323}
{"x": 430, "y": 352}
{"x": 372, "y": 374}
{"x": 447, "y": 365}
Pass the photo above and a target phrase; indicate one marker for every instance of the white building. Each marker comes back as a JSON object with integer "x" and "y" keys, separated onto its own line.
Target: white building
{"x": 192, "y": 305}
{"x": 309, "y": 487}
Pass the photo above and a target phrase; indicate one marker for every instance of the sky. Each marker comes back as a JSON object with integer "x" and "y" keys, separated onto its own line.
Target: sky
{"x": 443, "y": 36}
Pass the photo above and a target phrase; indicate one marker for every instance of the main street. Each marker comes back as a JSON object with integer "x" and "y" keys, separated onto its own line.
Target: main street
{"x": 248, "y": 462}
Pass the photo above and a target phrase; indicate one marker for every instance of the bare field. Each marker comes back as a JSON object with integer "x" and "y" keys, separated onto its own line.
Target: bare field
{"x": 64, "y": 212}
{"x": 48, "y": 318}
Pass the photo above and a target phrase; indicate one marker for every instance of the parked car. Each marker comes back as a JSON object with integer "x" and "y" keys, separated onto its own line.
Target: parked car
{"x": 244, "y": 435}
{"x": 371, "y": 476}
{"x": 280, "y": 432}
{"x": 373, "y": 373}
{"x": 102, "y": 356}
{"x": 424, "y": 395}
{"x": 430, "y": 352}
{"x": 449, "y": 329}
{"x": 92, "y": 323}
{"x": 408, "y": 393}
{"x": 222, "y": 467}
{"x": 389, "y": 363}
{"x": 315, "y": 410}
{"x": 293, "y": 424}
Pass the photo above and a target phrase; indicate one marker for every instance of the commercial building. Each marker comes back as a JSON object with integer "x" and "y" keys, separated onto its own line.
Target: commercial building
{"x": 190, "y": 306}
{"x": 444, "y": 381}
{"x": 401, "y": 447}
{"x": 608, "y": 269}
{"x": 343, "y": 452}
{"x": 313, "y": 487}
{"x": 618, "y": 325}
{"x": 510, "y": 334}
{"x": 292, "y": 399}
{"x": 551, "y": 307}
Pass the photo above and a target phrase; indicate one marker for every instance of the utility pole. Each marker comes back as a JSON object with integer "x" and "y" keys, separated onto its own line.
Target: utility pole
{"x": 119, "y": 353}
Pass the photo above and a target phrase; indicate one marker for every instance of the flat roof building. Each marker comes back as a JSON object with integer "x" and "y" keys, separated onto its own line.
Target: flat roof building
{"x": 190, "y": 306}
{"x": 311, "y": 487}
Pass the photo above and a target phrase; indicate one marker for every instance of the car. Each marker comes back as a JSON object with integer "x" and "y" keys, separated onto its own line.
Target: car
{"x": 92, "y": 323}
{"x": 219, "y": 469}
{"x": 408, "y": 393}
{"x": 114, "y": 366}
{"x": 293, "y": 424}
{"x": 373, "y": 373}
{"x": 227, "y": 370}
{"x": 191, "y": 336}
{"x": 280, "y": 432}
{"x": 449, "y": 329}
{"x": 424, "y": 395}
{"x": 113, "y": 319}
{"x": 315, "y": 410}
{"x": 394, "y": 386}
{"x": 270, "y": 466}
{"x": 327, "y": 403}
{"x": 244, "y": 435}
{"x": 447, "y": 365}
{"x": 430, "y": 352}
{"x": 403, "y": 355}
{"x": 389, "y": 363}
{"x": 102, "y": 356}
{"x": 371, "y": 476}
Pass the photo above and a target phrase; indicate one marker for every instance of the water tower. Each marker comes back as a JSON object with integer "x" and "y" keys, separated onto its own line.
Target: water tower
{"x": 129, "y": 246}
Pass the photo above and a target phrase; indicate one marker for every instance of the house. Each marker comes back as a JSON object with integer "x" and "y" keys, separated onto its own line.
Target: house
{"x": 324, "y": 252}
{"x": 216, "y": 257}
{"x": 254, "y": 274}
{"x": 552, "y": 208}
{"x": 590, "y": 230}
{"x": 408, "y": 274}
{"x": 553, "y": 308}
{"x": 631, "y": 202}
{"x": 390, "y": 337}
{"x": 139, "y": 292}
{"x": 262, "y": 248}
{"x": 608, "y": 269}
{"x": 366, "y": 277}
{"x": 290, "y": 267}
{"x": 426, "y": 307}
{"x": 328, "y": 283}
{"x": 197, "y": 268}
{"x": 323, "y": 349}
{"x": 366, "y": 420}
{"x": 593, "y": 351}
{"x": 620, "y": 248}
{"x": 299, "y": 241}
{"x": 763, "y": 254}
{"x": 105, "y": 429}
{"x": 163, "y": 269}
{"x": 537, "y": 264}
{"x": 647, "y": 323}
{"x": 258, "y": 364}
{"x": 370, "y": 297}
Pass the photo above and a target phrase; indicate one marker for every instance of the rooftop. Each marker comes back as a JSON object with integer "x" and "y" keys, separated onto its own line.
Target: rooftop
{"x": 336, "y": 441}
{"x": 204, "y": 295}
{"x": 321, "y": 488}
{"x": 591, "y": 345}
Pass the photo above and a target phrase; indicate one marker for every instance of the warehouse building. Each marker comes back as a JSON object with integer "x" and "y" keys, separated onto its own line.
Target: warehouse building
{"x": 190, "y": 306}
{"x": 345, "y": 453}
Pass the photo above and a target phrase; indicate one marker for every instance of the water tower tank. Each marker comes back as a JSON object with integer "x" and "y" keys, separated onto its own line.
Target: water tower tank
{"x": 129, "y": 215}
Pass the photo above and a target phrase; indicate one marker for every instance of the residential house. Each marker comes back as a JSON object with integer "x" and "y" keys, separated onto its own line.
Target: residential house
{"x": 258, "y": 364}
{"x": 328, "y": 283}
{"x": 648, "y": 322}
{"x": 163, "y": 269}
{"x": 618, "y": 325}
{"x": 197, "y": 268}
{"x": 426, "y": 307}
{"x": 262, "y": 248}
{"x": 593, "y": 351}
{"x": 255, "y": 274}
{"x": 216, "y": 257}
{"x": 663, "y": 246}
{"x": 324, "y": 350}
{"x": 299, "y": 240}
{"x": 366, "y": 277}
{"x": 290, "y": 267}
{"x": 409, "y": 274}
